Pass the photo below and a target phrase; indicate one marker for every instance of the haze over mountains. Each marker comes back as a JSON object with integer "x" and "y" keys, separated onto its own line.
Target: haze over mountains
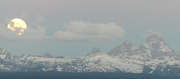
{"x": 152, "y": 57}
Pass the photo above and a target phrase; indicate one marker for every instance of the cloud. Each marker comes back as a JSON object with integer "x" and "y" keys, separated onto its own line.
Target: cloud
{"x": 29, "y": 34}
{"x": 6, "y": 33}
{"x": 79, "y": 30}
{"x": 149, "y": 33}
{"x": 33, "y": 32}
{"x": 74, "y": 31}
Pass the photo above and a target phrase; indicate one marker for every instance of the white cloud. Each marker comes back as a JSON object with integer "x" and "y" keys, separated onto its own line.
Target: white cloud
{"x": 79, "y": 30}
{"x": 150, "y": 33}
{"x": 29, "y": 34}
{"x": 35, "y": 34}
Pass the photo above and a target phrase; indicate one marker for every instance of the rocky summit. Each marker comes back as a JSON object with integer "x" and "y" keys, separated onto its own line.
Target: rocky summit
{"x": 152, "y": 57}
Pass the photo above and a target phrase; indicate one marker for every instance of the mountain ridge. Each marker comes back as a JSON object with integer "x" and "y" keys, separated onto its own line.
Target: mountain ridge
{"x": 153, "y": 56}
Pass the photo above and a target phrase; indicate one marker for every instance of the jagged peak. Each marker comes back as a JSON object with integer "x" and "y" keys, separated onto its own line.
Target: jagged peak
{"x": 3, "y": 51}
{"x": 95, "y": 50}
{"x": 126, "y": 43}
{"x": 5, "y": 54}
{"x": 125, "y": 48}
{"x": 155, "y": 46}
{"x": 47, "y": 55}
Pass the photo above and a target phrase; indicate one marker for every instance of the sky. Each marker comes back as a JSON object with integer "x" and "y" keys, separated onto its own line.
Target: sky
{"x": 74, "y": 27}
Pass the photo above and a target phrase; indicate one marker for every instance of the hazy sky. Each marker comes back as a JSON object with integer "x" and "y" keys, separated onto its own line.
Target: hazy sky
{"x": 74, "y": 27}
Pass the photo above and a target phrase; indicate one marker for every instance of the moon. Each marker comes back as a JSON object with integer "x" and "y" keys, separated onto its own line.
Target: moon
{"x": 17, "y": 25}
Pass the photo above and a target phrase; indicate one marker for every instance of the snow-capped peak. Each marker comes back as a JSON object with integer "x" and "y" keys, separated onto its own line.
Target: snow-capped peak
{"x": 155, "y": 46}
{"x": 5, "y": 54}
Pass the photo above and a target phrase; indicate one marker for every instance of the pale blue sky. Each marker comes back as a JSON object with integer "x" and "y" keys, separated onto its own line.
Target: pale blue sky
{"x": 135, "y": 17}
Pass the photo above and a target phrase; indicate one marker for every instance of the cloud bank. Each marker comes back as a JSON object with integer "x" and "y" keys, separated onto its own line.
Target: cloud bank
{"x": 74, "y": 31}
{"x": 86, "y": 31}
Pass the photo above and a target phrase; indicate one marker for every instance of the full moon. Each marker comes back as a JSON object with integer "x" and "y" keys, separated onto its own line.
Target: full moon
{"x": 17, "y": 25}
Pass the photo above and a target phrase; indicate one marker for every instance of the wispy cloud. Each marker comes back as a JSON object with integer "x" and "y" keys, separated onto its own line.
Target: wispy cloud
{"x": 150, "y": 33}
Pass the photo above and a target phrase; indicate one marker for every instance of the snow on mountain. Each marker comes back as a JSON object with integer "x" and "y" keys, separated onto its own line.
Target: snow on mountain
{"x": 152, "y": 57}
{"x": 5, "y": 54}
{"x": 155, "y": 46}
{"x": 101, "y": 62}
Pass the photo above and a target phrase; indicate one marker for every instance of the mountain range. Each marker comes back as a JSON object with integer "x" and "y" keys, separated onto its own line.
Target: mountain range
{"x": 152, "y": 57}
